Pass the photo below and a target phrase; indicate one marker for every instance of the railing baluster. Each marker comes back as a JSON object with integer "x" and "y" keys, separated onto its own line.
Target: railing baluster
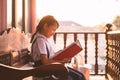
{"x": 54, "y": 37}
{"x": 75, "y": 36}
{"x": 96, "y": 54}
{"x": 85, "y": 38}
{"x": 65, "y": 39}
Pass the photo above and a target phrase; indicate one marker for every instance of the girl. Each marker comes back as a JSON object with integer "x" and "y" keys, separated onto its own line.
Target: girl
{"x": 41, "y": 48}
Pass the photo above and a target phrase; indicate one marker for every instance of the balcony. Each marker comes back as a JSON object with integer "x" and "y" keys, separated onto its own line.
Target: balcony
{"x": 108, "y": 71}
{"x": 101, "y": 66}
{"x": 104, "y": 59}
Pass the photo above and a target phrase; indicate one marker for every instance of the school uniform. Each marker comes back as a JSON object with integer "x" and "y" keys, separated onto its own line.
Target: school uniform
{"x": 40, "y": 45}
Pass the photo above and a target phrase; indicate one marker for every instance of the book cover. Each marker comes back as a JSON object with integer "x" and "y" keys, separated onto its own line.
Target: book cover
{"x": 69, "y": 52}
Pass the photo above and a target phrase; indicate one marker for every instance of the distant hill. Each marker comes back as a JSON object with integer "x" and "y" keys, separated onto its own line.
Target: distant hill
{"x": 71, "y": 26}
{"x": 68, "y": 23}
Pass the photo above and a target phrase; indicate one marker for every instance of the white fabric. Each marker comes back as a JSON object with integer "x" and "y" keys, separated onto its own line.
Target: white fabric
{"x": 39, "y": 46}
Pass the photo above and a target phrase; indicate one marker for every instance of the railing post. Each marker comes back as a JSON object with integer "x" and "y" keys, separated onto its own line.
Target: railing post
{"x": 96, "y": 54}
{"x": 85, "y": 38}
{"x": 65, "y": 39}
{"x": 75, "y": 36}
{"x": 54, "y": 37}
{"x": 108, "y": 28}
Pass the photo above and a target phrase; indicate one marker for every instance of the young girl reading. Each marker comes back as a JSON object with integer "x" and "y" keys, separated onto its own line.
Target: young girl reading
{"x": 41, "y": 49}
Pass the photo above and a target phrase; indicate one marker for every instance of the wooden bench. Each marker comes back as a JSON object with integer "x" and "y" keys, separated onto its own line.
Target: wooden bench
{"x": 12, "y": 61}
{"x": 12, "y": 73}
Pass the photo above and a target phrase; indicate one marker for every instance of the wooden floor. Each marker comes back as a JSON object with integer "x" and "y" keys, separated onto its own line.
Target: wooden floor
{"x": 97, "y": 77}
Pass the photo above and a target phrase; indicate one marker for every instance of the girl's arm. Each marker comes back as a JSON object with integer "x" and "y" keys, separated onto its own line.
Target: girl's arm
{"x": 46, "y": 60}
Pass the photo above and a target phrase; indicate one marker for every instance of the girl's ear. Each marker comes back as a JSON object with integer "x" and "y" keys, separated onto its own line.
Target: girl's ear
{"x": 45, "y": 26}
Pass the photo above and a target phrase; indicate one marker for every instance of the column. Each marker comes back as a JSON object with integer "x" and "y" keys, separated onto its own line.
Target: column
{"x": 3, "y": 15}
{"x": 32, "y": 16}
{"x": 14, "y": 13}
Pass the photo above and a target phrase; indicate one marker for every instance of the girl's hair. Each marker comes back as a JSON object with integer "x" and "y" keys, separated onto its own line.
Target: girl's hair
{"x": 49, "y": 20}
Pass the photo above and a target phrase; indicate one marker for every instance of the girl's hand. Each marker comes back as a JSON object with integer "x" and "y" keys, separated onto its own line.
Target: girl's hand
{"x": 65, "y": 60}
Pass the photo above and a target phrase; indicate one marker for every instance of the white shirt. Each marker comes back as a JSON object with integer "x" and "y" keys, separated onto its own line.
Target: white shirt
{"x": 40, "y": 45}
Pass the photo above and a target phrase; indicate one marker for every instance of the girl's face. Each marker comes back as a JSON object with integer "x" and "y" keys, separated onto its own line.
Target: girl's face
{"x": 50, "y": 30}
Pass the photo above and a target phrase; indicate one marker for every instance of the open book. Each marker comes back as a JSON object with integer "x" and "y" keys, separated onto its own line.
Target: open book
{"x": 69, "y": 52}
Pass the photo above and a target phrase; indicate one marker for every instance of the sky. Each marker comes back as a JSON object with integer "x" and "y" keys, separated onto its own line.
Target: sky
{"x": 84, "y": 12}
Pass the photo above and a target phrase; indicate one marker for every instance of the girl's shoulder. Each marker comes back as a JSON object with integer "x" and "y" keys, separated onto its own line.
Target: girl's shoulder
{"x": 40, "y": 36}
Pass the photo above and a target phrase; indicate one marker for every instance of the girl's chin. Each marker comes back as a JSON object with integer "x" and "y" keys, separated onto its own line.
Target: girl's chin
{"x": 48, "y": 36}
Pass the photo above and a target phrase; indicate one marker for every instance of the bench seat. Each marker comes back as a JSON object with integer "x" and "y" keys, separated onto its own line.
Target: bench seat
{"x": 13, "y": 73}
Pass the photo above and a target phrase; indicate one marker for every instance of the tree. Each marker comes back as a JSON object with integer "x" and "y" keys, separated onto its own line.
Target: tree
{"x": 116, "y": 22}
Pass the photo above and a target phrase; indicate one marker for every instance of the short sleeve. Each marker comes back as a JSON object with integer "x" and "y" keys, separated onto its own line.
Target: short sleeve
{"x": 41, "y": 45}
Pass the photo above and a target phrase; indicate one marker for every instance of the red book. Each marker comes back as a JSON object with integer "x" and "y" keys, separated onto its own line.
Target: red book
{"x": 69, "y": 52}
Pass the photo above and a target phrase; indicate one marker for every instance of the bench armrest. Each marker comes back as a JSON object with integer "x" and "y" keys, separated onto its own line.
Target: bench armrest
{"x": 12, "y": 73}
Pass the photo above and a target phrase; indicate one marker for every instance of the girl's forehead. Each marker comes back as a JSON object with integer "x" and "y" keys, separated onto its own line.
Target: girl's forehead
{"x": 55, "y": 25}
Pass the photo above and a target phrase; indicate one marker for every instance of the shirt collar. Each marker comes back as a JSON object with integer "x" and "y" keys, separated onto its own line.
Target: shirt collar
{"x": 41, "y": 35}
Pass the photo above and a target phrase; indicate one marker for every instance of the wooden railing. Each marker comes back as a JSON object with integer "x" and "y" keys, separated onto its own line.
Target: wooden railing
{"x": 84, "y": 38}
{"x": 113, "y": 55}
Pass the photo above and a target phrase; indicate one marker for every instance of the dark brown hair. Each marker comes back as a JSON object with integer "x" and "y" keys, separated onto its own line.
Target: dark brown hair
{"x": 49, "y": 20}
